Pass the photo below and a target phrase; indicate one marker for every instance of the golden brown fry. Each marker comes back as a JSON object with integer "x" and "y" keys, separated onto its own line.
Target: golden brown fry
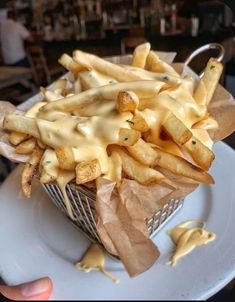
{"x": 138, "y": 123}
{"x": 207, "y": 124}
{"x": 90, "y": 62}
{"x": 140, "y": 55}
{"x": 29, "y": 171}
{"x": 49, "y": 167}
{"x": 51, "y": 96}
{"x": 68, "y": 63}
{"x": 141, "y": 173}
{"x": 93, "y": 79}
{"x": 143, "y": 89}
{"x": 176, "y": 129}
{"x": 20, "y": 123}
{"x": 87, "y": 171}
{"x": 200, "y": 94}
{"x": 16, "y": 138}
{"x": 59, "y": 85}
{"x": 33, "y": 111}
{"x": 128, "y": 137}
{"x": 155, "y": 64}
{"x": 26, "y": 147}
{"x": 127, "y": 101}
{"x": 181, "y": 135}
{"x": 181, "y": 166}
{"x": 65, "y": 157}
{"x": 41, "y": 144}
{"x": 210, "y": 79}
{"x": 202, "y": 155}
{"x": 144, "y": 153}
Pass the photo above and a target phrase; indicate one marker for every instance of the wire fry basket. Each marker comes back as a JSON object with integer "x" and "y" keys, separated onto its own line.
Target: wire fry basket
{"x": 82, "y": 202}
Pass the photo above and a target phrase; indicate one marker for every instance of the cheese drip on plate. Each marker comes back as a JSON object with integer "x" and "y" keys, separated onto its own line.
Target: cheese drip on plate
{"x": 94, "y": 259}
{"x": 187, "y": 238}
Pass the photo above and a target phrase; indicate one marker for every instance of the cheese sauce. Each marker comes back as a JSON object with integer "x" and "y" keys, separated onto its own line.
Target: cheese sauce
{"x": 186, "y": 238}
{"x": 94, "y": 259}
{"x": 96, "y": 123}
{"x": 89, "y": 137}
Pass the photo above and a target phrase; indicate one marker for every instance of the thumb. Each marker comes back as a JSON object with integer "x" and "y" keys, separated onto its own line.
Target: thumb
{"x": 39, "y": 290}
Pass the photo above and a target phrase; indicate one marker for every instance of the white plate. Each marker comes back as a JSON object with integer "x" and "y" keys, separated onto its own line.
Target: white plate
{"x": 36, "y": 240}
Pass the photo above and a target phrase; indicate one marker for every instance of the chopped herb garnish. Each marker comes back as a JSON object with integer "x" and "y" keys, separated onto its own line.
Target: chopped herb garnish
{"x": 194, "y": 142}
{"x": 166, "y": 78}
{"x": 130, "y": 122}
{"x": 212, "y": 67}
{"x": 112, "y": 82}
{"x": 126, "y": 138}
{"x": 29, "y": 164}
{"x": 47, "y": 162}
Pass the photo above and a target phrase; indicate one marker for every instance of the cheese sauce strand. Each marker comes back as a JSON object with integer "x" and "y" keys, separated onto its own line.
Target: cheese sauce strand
{"x": 186, "y": 239}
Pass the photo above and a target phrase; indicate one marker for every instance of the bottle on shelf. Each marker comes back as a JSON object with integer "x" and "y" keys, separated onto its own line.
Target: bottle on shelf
{"x": 173, "y": 17}
{"x": 194, "y": 26}
{"x": 162, "y": 26}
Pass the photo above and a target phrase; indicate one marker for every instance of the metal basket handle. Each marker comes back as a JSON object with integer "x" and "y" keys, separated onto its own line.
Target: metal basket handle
{"x": 204, "y": 48}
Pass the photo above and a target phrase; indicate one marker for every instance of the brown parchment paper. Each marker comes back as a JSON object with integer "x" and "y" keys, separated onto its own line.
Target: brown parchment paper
{"x": 121, "y": 213}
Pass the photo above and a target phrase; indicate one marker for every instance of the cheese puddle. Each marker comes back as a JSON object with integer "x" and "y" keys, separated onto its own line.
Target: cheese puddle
{"x": 187, "y": 238}
{"x": 94, "y": 259}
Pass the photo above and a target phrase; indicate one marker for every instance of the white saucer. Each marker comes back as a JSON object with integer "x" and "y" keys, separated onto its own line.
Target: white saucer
{"x": 37, "y": 240}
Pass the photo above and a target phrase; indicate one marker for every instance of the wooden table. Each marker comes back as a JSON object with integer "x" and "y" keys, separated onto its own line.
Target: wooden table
{"x": 16, "y": 75}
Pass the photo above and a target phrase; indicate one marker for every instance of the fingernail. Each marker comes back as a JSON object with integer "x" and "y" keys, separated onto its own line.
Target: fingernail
{"x": 34, "y": 288}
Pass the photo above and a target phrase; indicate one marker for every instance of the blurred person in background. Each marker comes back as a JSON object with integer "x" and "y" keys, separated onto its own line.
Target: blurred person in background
{"x": 12, "y": 37}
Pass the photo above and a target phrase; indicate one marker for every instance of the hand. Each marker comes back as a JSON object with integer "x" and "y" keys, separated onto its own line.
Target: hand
{"x": 39, "y": 290}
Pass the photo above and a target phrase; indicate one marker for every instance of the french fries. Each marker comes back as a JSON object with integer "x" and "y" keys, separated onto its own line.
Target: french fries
{"x": 91, "y": 62}
{"x": 49, "y": 168}
{"x": 155, "y": 64}
{"x": 180, "y": 166}
{"x": 22, "y": 124}
{"x": 138, "y": 123}
{"x": 210, "y": 79}
{"x": 144, "y": 153}
{"x": 143, "y": 89}
{"x": 65, "y": 157}
{"x": 202, "y": 155}
{"x": 118, "y": 121}
{"x": 29, "y": 171}
{"x": 139, "y": 172}
{"x": 127, "y": 101}
{"x": 140, "y": 55}
{"x": 16, "y": 138}
{"x": 87, "y": 171}
{"x": 26, "y": 147}
{"x": 51, "y": 96}
{"x": 128, "y": 137}
{"x": 92, "y": 79}
{"x": 177, "y": 130}
{"x": 59, "y": 85}
{"x": 68, "y": 63}
{"x": 181, "y": 135}
{"x": 206, "y": 124}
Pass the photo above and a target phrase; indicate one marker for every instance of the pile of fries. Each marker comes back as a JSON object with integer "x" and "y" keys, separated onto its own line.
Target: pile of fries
{"x": 142, "y": 121}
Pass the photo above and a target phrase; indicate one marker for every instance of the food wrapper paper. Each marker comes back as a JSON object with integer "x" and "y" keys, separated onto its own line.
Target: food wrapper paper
{"x": 121, "y": 213}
